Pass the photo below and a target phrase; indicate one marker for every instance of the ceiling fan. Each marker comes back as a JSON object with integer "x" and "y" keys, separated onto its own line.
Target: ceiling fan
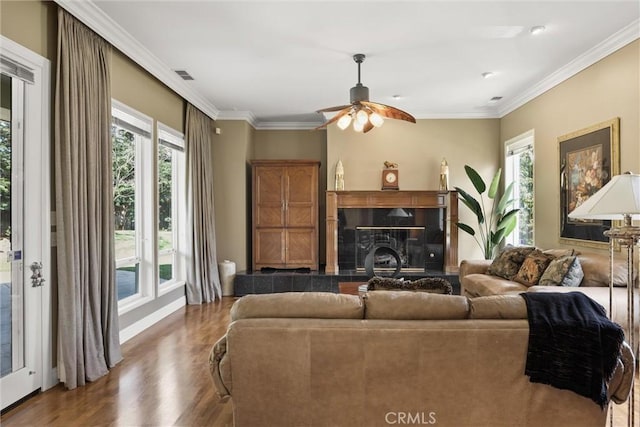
{"x": 365, "y": 114}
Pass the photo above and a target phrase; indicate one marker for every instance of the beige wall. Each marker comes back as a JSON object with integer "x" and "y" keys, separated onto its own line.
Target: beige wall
{"x": 418, "y": 149}
{"x": 233, "y": 148}
{"x": 610, "y": 88}
{"x": 33, "y": 24}
{"x": 135, "y": 87}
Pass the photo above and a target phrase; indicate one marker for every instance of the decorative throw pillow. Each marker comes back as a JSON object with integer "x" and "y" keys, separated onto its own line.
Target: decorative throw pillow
{"x": 563, "y": 271}
{"x": 533, "y": 267}
{"x": 508, "y": 262}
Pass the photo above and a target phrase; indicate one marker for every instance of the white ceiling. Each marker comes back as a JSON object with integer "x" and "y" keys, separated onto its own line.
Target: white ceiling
{"x": 276, "y": 62}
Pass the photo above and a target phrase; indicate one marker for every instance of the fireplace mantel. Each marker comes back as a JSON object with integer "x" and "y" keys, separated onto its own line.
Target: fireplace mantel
{"x": 393, "y": 199}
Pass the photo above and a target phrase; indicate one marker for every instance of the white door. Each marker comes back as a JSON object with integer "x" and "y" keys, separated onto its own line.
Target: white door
{"x": 24, "y": 239}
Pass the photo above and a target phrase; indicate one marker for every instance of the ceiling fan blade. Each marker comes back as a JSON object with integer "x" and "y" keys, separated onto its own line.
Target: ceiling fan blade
{"x": 388, "y": 111}
{"x": 335, "y": 118}
{"x": 367, "y": 127}
{"x": 330, "y": 109}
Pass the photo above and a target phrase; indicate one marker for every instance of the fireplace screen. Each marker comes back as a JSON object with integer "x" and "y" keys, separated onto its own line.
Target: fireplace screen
{"x": 408, "y": 242}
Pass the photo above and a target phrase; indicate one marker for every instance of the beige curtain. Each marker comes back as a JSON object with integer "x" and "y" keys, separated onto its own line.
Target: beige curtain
{"x": 203, "y": 282}
{"x": 87, "y": 304}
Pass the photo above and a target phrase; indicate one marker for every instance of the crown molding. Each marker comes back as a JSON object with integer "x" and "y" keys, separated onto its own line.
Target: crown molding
{"x": 287, "y": 125}
{"x": 93, "y": 17}
{"x": 611, "y": 44}
{"x": 487, "y": 114}
{"x": 238, "y": 115}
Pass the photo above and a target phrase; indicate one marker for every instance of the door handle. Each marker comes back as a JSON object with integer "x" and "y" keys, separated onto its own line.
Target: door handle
{"x": 36, "y": 274}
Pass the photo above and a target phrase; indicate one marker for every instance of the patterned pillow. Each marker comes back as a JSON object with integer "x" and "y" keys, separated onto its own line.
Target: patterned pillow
{"x": 533, "y": 267}
{"x": 508, "y": 262}
{"x": 563, "y": 271}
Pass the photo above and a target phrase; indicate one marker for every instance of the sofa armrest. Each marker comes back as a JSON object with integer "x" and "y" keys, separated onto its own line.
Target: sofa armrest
{"x": 219, "y": 368}
{"x": 619, "y": 386}
{"x": 473, "y": 266}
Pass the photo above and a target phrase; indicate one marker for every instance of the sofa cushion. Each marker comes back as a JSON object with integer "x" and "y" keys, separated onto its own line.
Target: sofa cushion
{"x": 563, "y": 271}
{"x": 533, "y": 267}
{"x": 402, "y": 305}
{"x": 596, "y": 270}
{"x": 498, "y": 307}
{"x": 436, "y": 285}
{"x": 310, "y": 305}
{"x": 478, "y": 285}
{"x": 508, "y": 262}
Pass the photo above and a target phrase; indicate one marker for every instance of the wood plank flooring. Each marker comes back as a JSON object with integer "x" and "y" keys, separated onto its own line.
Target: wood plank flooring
{"x": 163, "y": 380}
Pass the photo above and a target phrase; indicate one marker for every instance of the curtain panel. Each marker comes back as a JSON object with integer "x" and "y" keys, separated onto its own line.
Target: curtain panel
{"x": 203, "y": 282}
{"x": 88, "y": 331}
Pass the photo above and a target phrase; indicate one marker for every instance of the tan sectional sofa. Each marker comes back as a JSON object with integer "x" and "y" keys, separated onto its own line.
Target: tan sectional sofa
{"x": 475, "y": 282}
{"x": 392, "y": 357}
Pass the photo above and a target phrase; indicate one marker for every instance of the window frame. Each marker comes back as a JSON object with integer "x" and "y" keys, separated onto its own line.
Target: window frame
{"x": 178, "y": 208}
{"x": 142, "y": 126}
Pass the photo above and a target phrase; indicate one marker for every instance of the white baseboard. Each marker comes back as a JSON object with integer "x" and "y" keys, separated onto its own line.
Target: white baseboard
{"x": 131, "y": 331}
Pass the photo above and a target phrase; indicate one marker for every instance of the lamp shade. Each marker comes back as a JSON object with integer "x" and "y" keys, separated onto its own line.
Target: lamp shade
{"x": 619, "y": 197}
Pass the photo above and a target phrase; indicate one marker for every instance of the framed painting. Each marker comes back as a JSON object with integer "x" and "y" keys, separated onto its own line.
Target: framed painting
{"x": 588, "y": 159}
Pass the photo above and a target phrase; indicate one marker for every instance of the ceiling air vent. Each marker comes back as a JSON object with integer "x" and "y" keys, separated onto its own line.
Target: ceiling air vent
{"x": 495, "y": 99}
{"x": 184, "y": 75}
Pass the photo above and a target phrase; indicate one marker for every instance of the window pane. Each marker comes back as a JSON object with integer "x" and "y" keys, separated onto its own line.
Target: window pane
{"x": 124, "y": 207}
{"x": 127, "y": 280}
{"x": 525, "y": 183}
{"x": 165, "y": 211}
{"x": 165, "y": 265}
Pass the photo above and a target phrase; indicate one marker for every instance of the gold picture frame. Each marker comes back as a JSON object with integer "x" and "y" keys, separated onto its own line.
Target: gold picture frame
{"x": 588, "y": 158}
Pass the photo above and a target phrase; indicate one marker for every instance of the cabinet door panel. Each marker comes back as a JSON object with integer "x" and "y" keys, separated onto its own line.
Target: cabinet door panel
{"x": 302, "y": 195}
{"x": 269, "y": 248}
{"x": 269, "y": 197}
{"x": 301, "y": 248}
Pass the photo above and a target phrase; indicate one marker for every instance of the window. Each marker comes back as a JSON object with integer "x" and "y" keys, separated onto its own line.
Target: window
{"x": 171, "y": 202}
{"x": 519, "y": 171}
{"x": 132, "y": 185}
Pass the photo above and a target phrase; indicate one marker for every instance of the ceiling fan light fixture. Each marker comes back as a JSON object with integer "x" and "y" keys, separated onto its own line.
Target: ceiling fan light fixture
{"x": 364, "y": 114}
{"x": 362, "y": 117}
{"x": 344, "y": 121}
{"x": 376, "y": 119}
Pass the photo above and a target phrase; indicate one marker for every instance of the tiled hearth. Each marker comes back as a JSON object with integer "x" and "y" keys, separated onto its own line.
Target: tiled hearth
{"x": 315, "y": 281}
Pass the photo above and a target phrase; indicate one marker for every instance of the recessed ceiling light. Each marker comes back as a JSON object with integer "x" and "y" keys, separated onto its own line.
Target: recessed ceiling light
{"x": 396, "y": 97}
{"x": 495, "y": 99}
{"x": 538, "y": 29}
{"x": 487, "y": 74}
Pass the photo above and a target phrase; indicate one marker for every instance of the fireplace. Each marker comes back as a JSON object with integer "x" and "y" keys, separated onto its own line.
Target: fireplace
{"x": 416, "y": 224}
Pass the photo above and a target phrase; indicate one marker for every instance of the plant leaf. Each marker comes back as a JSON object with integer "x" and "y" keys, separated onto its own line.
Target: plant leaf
{"x": 476, "y": 179}
{"x": 505, "y": 199}
{"x": 493, "y": 188}
{"x": 464, "y": 227}
{"x": 509, "y": 216}
{"x": 503, "y": 232}
{"x": 471, "y": 203}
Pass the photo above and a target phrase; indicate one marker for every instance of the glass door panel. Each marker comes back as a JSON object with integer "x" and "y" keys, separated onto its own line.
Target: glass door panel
{"x": 11, "y": 217}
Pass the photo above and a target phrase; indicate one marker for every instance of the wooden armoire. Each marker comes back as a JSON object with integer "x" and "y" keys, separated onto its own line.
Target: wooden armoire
{"x": 285, "y": 213}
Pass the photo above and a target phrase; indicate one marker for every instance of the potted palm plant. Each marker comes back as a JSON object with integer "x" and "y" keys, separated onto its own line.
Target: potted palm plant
{"x": 493, "y": 225}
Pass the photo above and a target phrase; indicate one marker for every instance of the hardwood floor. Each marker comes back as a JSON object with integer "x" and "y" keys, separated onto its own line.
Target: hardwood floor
{"x": 163, "y": 380}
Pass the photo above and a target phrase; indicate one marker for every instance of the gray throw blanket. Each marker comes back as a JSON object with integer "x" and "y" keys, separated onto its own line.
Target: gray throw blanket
{"x": 572, "y": 343}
